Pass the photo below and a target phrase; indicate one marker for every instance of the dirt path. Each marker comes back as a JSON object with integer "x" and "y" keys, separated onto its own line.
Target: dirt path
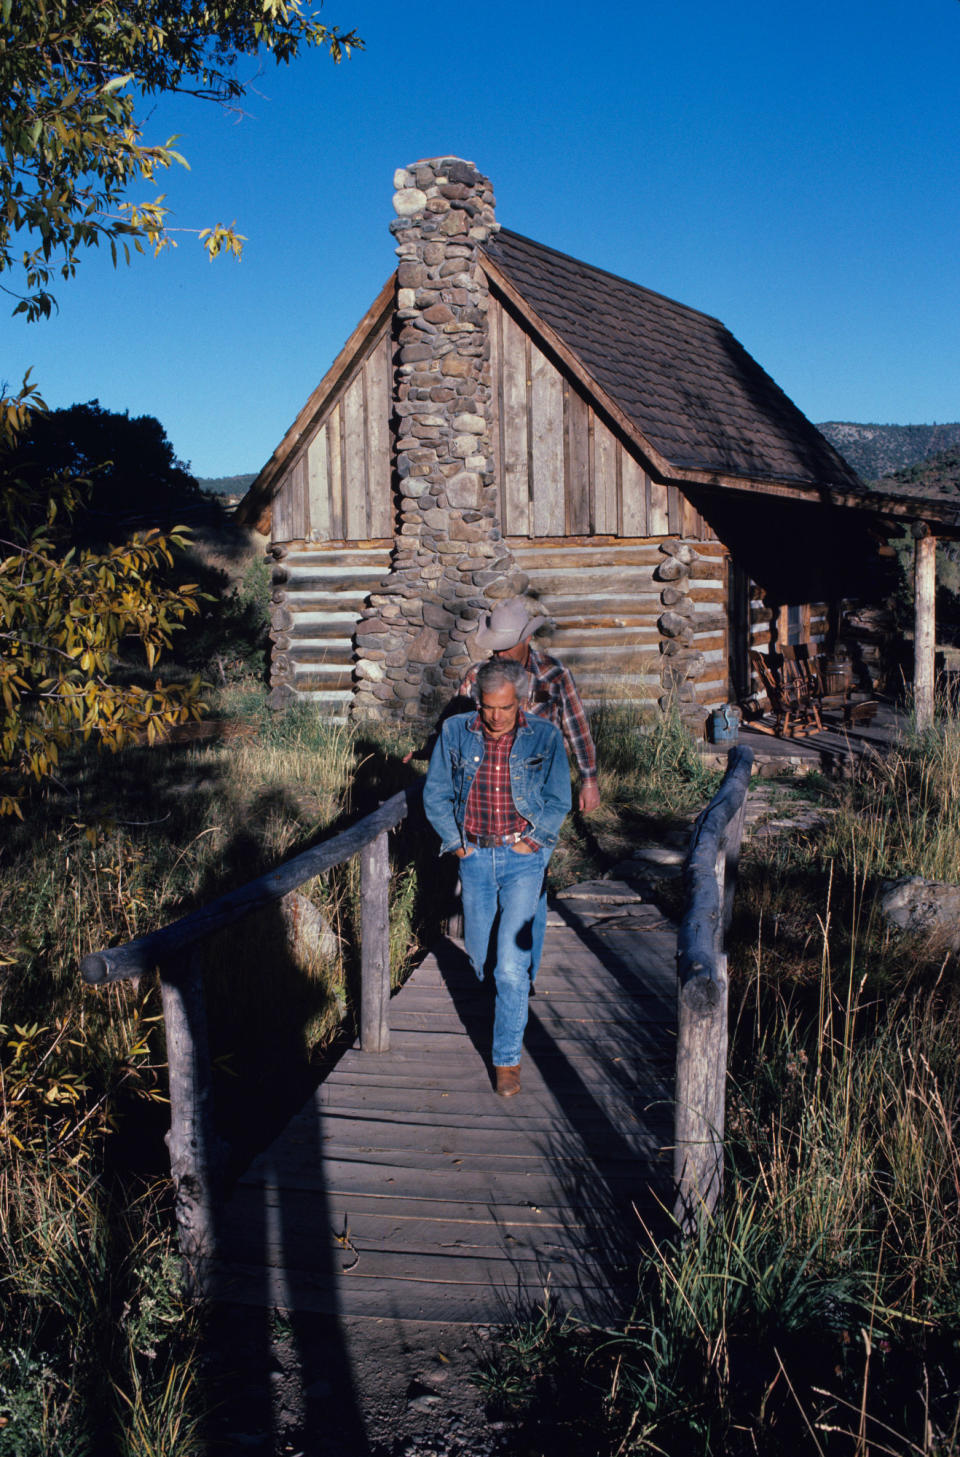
{"x": 323, "y": 1387}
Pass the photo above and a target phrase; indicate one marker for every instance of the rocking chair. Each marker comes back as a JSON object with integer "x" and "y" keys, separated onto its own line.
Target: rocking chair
{"x": 789, "y": 694}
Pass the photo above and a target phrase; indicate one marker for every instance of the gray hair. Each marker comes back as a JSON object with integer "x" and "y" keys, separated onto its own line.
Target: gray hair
{"x": 498, "y": 671}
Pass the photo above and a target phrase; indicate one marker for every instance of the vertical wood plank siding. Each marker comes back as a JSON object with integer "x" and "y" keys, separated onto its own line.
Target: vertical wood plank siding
{"x": 634, "y": 486}
{"x": 546, "y": 431}
{"x": 298, "y": 499}
{"x": 337, "y": 483}
{"x": 659, "y": 524}
{"x": 354, "y": 462}
{"x": 563, "y": 468}
{"x": 318, "y": 475}
{"x": 605, "y": 488}
{"x": 377, "y": 373}
{"x": 496, "y": 424}
{"x": 337, "y": 515}
{"x": 511, "y": 389}
{"x": 576, "y": 467}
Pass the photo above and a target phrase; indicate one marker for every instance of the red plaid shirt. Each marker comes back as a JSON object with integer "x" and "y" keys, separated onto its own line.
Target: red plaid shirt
{"x": 555, "y": 697}
{"x": 490, "y": 808}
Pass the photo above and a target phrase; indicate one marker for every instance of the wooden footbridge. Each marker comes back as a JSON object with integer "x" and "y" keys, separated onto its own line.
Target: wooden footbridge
{"x": 405, "y": 1187}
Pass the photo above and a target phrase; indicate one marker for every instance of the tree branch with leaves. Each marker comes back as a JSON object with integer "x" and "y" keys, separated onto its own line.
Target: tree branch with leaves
{"x": 66, "y": 617}
{"x": 72, "y": 76}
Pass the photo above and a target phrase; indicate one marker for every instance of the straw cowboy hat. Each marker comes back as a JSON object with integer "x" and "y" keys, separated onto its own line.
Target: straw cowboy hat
{"x": 508, "y": 624}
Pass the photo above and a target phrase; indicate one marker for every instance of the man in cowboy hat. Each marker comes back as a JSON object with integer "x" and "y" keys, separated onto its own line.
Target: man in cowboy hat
{"x": 506, "y": 632}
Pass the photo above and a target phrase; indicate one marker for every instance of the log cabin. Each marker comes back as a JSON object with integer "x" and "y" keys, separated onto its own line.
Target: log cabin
{"x": 506, "y": 420}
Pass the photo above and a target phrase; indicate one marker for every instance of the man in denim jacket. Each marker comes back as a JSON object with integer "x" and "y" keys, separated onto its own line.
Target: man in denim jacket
{"x": 497, "y": 792}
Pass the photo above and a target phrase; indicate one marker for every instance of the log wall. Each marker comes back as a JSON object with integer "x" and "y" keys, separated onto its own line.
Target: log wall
{"x": 336, "y": 484}
{"x": 606, "y": 597}
{"x": 316, "y": 603}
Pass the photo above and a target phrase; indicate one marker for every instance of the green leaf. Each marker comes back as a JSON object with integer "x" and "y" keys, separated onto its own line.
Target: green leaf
{"x": 116, "y": 84}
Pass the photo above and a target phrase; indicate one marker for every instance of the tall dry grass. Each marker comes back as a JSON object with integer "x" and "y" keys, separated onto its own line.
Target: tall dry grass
{"x": 649, "y": 760}
{"x": 97, "y": 1353}
{"x": 819, "y": 1312}
{"x": 902, "y": 816}
{"x": 651, "y": 777}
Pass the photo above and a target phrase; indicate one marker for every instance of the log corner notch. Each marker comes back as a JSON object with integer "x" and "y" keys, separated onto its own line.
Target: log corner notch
{"x": 700, "y": 1096}
{"x": 925, "y": 621}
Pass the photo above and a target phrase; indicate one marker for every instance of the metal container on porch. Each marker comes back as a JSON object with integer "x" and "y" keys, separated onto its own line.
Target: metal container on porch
{"x": 723, "y": 724}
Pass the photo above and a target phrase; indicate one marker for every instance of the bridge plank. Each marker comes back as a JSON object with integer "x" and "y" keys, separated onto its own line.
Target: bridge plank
{"x": 385, "y": 1243}
{"x": 406, "y": 1300}
{"x": 339, "y": 1117}
{"x": 341, "y": 1124}
{"x": 444, "y": 1177}
{"x": 424, "y": 1045}
{"x": 579, "y": 1017}
{"x": 591, "y": 1110}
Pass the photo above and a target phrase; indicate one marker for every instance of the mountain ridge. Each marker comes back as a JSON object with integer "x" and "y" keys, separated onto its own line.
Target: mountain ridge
{"x": 878, "y": 451}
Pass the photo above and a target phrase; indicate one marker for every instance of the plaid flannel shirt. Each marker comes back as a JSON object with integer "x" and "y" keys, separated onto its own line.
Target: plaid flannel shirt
{"x": 490, "y": 808}
{"x": 555, "y": 697}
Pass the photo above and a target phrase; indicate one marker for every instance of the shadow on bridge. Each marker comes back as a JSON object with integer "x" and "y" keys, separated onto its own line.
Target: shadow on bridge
{"x": 277, "y": 1380}
{"x": 596, "y": 1110}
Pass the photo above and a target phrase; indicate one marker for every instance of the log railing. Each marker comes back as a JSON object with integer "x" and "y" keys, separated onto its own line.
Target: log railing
{"x": 709, "y": 882}
{"x": 176, "y": 952}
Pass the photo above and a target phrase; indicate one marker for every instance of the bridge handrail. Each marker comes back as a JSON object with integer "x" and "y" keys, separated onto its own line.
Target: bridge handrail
{"x": 175, "y": 951}
{"x": 145, "y": 953}
{"x": 710, "y": 872}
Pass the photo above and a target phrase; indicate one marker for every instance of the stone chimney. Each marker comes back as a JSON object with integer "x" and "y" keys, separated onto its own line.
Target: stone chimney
{"x": 450, "y": 563}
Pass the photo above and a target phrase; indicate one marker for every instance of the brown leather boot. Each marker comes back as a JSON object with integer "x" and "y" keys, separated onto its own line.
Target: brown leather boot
{"x": 508, "y": 1081}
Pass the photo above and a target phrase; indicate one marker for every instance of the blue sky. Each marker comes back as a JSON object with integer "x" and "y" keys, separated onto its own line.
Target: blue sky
{"x": 791, "y": 168}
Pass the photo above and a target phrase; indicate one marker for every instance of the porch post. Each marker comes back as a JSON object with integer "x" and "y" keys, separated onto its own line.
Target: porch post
{"x": 924, "y": 627}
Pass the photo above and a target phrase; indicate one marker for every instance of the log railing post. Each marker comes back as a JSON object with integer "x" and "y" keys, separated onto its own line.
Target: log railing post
{"x": 375, "y": 945}
{"x": 700, "y": 1109}
{"x": 195, "y": 1156}
{"x": 700, "y": 1094}
{"x": 733, "y": 839}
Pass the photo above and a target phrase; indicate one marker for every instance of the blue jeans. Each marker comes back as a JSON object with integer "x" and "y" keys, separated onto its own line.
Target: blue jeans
{"x": 506, "y": 879}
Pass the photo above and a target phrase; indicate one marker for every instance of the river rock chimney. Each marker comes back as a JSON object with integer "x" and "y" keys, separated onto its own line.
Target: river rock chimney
{"x": 450, "y": 562}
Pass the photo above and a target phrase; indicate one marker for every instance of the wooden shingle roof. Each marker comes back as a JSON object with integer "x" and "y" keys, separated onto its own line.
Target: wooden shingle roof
{"x": 679, "y": 375}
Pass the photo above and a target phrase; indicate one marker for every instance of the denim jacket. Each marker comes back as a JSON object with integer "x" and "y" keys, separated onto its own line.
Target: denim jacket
{"x": 539, "y": 778}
